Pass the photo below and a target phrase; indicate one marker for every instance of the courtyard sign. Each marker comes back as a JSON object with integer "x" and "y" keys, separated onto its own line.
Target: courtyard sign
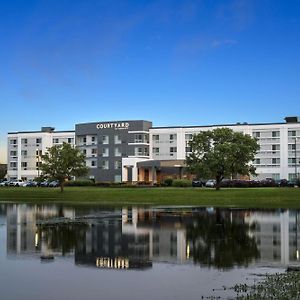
{"x": 118, "y": 125}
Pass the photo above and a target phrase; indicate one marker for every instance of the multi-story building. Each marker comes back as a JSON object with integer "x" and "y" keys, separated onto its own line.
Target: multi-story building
{"x": 106, "y": 144}
{"x": 134, "y": 151}
{"x": 278, "y": 157}
{"x": 25, "y": 150}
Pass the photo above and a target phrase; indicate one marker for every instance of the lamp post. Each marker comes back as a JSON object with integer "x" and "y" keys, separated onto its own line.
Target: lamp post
{"x": 38, "y": 161}
{"x": 296, "y": 175}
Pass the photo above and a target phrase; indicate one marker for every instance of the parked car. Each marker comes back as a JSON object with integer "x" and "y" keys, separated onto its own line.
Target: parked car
{"x": 5, "y": 183}
{"x": 30, "y": 184}
{"x": 17, "y": 182}
{"x": 292, "y": 183}
{"x": 198, "y": 183}
{"x": 54, "y": 183}
{"x": 44, "y": 183}
{"x": 210, "y": 183}
{"x": 226, "y": 183}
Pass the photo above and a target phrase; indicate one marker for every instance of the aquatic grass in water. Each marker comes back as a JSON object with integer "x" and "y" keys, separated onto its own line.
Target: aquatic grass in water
{"x": 278, "y": 286}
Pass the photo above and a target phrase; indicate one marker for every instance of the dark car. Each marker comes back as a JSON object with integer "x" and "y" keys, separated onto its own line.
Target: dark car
{"x": 54, "y": 183}
{"x": 31, "y": 184}
{"x": 292, "y": 183}
{"x": 44, "y": 183}
{"x": 198, "y": 183}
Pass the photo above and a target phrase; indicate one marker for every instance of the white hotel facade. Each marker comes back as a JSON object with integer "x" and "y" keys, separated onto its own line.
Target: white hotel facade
{"x": 25, "y": 150}
{"x": 149, "y": 154}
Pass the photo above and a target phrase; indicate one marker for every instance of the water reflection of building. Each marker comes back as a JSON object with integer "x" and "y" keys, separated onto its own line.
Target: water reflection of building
{"x": 136, "y": 237}
{"x": 276, "y": 235}
{"x": 103, "y": 244}
{"x": 167, "y": 237}
{"x": 23, "y": 234}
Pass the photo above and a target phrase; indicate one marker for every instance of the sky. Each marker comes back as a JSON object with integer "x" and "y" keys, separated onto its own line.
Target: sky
{"x": 173, "y": 62}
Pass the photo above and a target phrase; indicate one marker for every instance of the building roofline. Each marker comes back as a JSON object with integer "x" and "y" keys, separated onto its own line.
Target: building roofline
{"x": 113, "y": 121}
{"x": 218, "y": 125}
{"x": 39, "y": 131}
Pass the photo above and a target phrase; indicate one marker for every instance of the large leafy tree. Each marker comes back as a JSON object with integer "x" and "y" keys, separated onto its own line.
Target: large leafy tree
{"x": 222, "y": 153}
{"x": 62, "y": 162}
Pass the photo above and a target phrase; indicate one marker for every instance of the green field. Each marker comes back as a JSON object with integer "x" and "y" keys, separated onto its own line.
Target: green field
{"x": 243, "y": 197}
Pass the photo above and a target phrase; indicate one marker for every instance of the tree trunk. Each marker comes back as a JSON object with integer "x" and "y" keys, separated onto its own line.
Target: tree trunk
{"x": 218, "y": 182}
{"x": 62, "y": 186}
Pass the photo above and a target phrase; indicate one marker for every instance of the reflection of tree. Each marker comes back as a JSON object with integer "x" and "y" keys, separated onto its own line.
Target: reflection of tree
{"x": 62, "y": 237}
{"x": 218, "y": 241}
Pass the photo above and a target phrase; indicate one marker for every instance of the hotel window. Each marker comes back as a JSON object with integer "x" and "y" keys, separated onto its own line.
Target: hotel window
{"x": 70, "y": 140}
{"x": 276, "y": 176}
{"x": 93, "y": 163}
{"x": 138, "y": 151}
{"x": 84, "y": 140}
{"x": 94, "y": 151}
{"x": 292, "y": 161}
{"x": 256, "y": 134}
{"x": 257, "y": 161}
{"x": 13, "y": 153}
{"x": 155, "y": 138}
{"x": 84, "y": 151}
{"x": 275, "y": 133}
{"x": 173, "y": 150}
{"x": 292, "y": 133}
{"x": 38, "y": 152}
{"x": 292, "y": 147}
{"x": 275, "y": 161}
{"x": 138, "y": 138}
{"x": 38, "y": 141}
{"x": 117, "y": 139}
{"x": 188, "y": 149}
{"x": 37, "y": 164}
{"x": 118, "y": 164}
{"x": 55, "y": 141}
{"x": 155, "y": 150}
{"x": 173, "y": 137}
{"x": 188, "y": 136}
{"x": 105, "y": 152}
{"x": 275, "y": 147}
{"x": 13, "y": 142}
{"x": 105, "y": 139}
{"x": 105, "y": 164}
{"x": 24, "y": 164}
{"x": 118, "y": 152}
{"x": 93, "y": 139}
{"x": 24, "y": 152}
{"x": 23, "y": 141}
{"x": 13, "y": 164}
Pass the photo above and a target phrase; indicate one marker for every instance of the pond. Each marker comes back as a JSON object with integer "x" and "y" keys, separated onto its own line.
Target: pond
{"x": 94, "y": 252}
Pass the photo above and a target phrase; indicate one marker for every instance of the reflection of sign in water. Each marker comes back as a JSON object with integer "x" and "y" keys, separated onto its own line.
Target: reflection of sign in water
{"x": 112, "y": 263}
{"x": 121, "y": 125}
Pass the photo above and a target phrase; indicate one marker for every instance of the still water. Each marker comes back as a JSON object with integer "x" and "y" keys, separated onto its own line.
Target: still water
{"x": 91, "y": 252}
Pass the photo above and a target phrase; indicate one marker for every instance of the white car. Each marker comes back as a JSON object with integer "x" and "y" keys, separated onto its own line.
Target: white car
{"x": 210, "y": 183}
{"x": 17, "y": 182}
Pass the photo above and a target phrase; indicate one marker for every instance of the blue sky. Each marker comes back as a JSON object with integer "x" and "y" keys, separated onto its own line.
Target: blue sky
{"x": 172, "y": 62}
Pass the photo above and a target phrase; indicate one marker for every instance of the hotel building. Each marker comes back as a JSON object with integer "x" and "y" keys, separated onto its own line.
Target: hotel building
{"x": 25, "y": 150}
{"x": 135, "y": 151}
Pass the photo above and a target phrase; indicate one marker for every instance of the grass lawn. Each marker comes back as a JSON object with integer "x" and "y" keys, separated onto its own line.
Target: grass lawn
{"x": 243, "y": 197}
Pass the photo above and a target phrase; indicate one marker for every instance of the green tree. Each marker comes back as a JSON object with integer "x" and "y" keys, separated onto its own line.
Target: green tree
{"x": 222, "y": 153}
{"x": 3, "y": 171}
{"x": 61, "y": 162}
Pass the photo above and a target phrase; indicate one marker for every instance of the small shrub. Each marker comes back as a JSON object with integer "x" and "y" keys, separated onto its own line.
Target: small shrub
{"x": 168, "y": 181}
{"x": 182, "y": 183}
{"x": 79, "y": 183}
